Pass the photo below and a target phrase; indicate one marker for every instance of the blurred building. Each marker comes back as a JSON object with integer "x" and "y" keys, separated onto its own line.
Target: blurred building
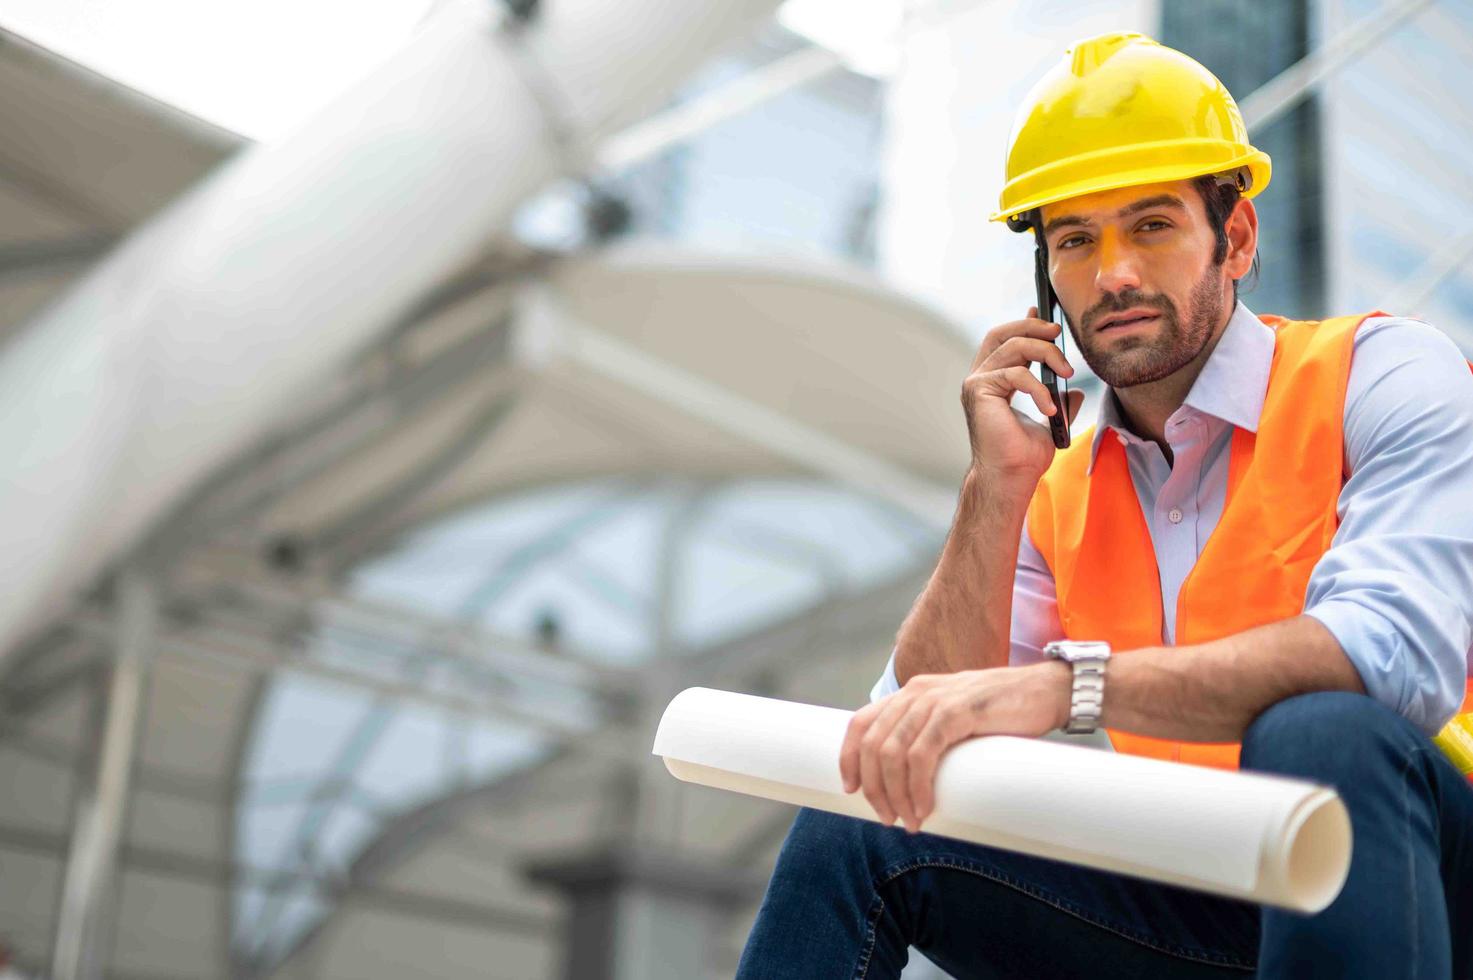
{"x": 1396, "y": 204}
{"x": 409, "y": 652}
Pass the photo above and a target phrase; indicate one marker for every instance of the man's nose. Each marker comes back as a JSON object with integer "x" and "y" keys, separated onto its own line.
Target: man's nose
{"x": 1118, "y": 269}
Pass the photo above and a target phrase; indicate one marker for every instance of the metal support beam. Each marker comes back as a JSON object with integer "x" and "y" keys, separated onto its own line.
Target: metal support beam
{"x": 682, "y": 519}
{"x": 370, "y": 409}
{"x": 43, "y": 257}
{"x": 754, "y": 89}
{"x": 436, "y": 909}
{"x": 163, "y": 782}
{"x": 52, "y": 666}
{"x": 837, "y": 627}
{"x": 1297, "y": 82}
{"x": 802, "y": 445}
{"x": 342, "y": 536}
{"x": 448, "y": 637}
{"x": 252, "y": 655}
{"x": 80, "y": 952}
{"x": 1418, "y": 289}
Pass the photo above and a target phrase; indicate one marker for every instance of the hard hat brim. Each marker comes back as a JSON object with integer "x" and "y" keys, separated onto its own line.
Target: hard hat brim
{"x": 1117, "y": 167}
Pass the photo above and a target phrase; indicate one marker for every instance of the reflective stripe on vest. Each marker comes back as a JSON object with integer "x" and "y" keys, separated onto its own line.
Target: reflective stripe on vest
{"x": 1278, "y": 518}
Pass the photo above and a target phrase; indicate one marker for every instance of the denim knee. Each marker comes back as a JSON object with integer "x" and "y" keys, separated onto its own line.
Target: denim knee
{"x": 823, "y": 838}
{"x": 1327, "y": 736}
{"x": 831, "y": 841}
{"x": 822, "y": 832}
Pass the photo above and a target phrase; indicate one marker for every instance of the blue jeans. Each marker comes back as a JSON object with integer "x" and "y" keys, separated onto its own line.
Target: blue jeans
{"x": 849, "y": 896}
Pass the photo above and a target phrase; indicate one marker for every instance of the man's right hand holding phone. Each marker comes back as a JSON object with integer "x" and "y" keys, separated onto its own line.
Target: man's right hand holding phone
{"x": 1008, "y": 448}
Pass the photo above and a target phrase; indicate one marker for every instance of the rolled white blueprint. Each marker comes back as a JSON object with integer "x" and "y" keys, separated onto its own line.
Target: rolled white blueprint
{"x": 1251, "y": 836}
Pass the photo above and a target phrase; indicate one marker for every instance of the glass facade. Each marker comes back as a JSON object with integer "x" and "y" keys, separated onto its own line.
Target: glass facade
{"x": 1399, "y": 133}
{"x": 1245, "y": 43}
{"x": 573, "y": 570}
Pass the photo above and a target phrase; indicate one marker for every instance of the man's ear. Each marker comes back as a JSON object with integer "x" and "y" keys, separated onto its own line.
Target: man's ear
{"x": 1242, "y": 236}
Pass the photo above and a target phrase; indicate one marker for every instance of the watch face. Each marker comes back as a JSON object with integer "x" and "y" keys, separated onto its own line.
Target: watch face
{"x": 1072, "y": 650}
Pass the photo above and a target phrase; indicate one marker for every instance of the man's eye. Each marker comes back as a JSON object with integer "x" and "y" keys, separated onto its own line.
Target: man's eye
{"x": 1072, "y": 241}
{"x": 1153, "y": 224}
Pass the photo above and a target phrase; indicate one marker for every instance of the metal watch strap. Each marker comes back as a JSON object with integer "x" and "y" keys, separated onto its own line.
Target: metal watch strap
{"x": 1087, "y": 694}
{"x": 1087, "y": 697}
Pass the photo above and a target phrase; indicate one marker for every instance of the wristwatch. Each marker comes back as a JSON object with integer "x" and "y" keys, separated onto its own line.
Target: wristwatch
{"x": 1087, "y": 699}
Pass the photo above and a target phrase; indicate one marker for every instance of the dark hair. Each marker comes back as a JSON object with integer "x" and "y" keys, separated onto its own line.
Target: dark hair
{"x": 1220, "y": 197}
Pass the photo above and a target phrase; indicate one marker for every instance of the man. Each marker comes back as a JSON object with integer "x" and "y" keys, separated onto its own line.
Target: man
{"x": 1271, "y": 526}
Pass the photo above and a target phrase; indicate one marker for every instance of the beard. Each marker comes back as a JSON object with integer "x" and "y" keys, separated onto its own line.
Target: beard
{"x": 1137, "y": 360}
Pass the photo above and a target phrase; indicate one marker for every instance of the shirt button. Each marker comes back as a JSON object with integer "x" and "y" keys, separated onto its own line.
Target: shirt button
{"x": 1175, "y": 515}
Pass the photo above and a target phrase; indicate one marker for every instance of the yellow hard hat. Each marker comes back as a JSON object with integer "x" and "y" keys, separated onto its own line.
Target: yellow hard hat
{"x": 1122, "y": 109}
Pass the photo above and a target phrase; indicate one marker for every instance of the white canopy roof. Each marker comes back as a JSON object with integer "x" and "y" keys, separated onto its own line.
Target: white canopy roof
{"x": 784, "y": 430}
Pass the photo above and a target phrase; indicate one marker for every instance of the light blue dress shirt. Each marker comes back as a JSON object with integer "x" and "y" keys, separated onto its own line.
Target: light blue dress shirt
{"x": 1396, "y": 586}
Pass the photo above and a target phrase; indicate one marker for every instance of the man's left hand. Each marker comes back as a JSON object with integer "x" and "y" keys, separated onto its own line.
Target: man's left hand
{"x": 893, "y": 746}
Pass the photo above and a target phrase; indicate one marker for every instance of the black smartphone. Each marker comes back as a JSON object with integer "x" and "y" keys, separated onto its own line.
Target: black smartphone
{"x": 1058, "y": 388}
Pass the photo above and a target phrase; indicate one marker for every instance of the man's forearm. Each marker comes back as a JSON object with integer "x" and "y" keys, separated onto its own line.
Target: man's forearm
{"x": 1211, "y": 692}
{"x": 961, "y": 620}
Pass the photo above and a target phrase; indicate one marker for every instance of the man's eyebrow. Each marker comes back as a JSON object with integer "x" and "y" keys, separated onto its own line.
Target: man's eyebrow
{"x": 1144, "y": 204}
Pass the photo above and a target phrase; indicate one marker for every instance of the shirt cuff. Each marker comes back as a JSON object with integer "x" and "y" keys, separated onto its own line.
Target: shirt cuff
{"x": 886, "y": 685}
{"x": 1381, "y": 655}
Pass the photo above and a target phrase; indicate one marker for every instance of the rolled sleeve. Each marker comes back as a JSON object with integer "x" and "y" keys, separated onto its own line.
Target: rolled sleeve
{"x": 887, "y": 684}
{"x": 1396, "y": 586}
{"x": 1035, "y": 616}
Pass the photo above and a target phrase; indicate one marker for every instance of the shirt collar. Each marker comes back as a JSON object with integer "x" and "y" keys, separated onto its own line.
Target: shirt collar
{"x": 1231, "y": 387}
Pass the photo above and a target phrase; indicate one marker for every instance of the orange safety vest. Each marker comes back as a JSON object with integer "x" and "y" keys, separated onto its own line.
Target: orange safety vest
{"x": 1278, "y": 519}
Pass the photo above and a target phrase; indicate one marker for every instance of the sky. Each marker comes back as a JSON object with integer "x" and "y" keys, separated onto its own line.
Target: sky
{"x": 254, "y": 68}
{"x": 258, "y": 67}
